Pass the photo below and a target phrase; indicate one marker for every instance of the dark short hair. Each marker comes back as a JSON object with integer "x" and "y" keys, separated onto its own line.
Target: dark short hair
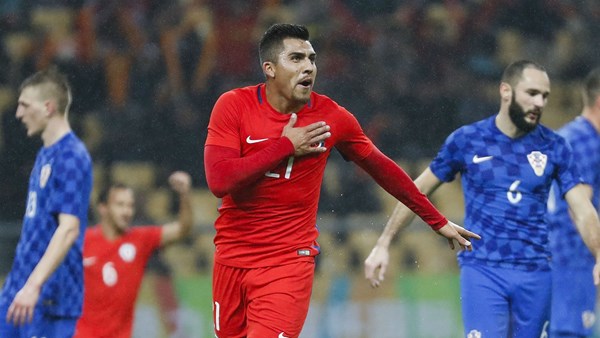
{"x": 105, "y": 192}
{"x": 271, "y": 42}
{"x": 591, "y": 87}
{"x": 54, "y": 85}
{"x": 514, "y": 72}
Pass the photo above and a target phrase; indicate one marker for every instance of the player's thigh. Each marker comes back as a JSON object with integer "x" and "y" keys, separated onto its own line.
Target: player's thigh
{"x": 531, "y": 303}
{"x": 484, "y": 302}
{"x": 279, "y": 300}
{"x": 229, "y": 303}
{"x": 573, "y": 302}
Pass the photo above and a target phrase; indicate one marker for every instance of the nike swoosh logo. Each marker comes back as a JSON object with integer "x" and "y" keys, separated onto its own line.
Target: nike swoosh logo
{"x": 477, "y": 159}
{"x": 250, "y": 141}
{"x": 87, "y": 261}
{"x": 281, "y": 335}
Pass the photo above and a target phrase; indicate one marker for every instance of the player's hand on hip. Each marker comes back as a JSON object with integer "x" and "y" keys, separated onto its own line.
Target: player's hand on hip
{"x": 307, "y": 139}
{"x": 454, "y": 232}
{"x": 378, "y": 259}
{"x": 21, "y": 309}
{"x": 180, "y": 181}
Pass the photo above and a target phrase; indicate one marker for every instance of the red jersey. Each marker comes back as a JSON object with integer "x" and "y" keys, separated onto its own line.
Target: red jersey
{"x": 113, "y": 273}
{"x": 273, "y": 220}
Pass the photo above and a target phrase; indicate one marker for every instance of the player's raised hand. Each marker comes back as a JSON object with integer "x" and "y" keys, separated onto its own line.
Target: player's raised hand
{"x": 180, "y": 181}
{"x": 454, "y": 232}
{"x": 306, "y": 139}
{"x": 376, "y": 265}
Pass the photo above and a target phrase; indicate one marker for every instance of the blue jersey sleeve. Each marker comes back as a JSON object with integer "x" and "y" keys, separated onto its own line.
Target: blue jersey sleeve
{"x": 568, "y": 175}
{"x": 449, "y": 160}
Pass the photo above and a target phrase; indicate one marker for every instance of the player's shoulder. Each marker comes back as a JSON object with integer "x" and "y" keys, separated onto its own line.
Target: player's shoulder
{"x": 93, "y": 232}
{"x": 72, "y": 147}
{"x": 242, "y": 93}
{"x": 549, "y": 135}
{"x": 577, "y": 127}
{"x": 323, "y": 101}
{"x": 474, "y": 129}
{"x": 325, "y": 106}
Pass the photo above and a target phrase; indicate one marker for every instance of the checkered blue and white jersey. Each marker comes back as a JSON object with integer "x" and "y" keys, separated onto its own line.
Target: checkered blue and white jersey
{"x": 566, "y": 245}
{"x": 60, "y": 182}
{"x": 506, "y": 183}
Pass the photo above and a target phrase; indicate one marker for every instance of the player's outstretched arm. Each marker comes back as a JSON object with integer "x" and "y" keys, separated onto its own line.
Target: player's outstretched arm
{"x": 21, "y": 309}
{"x": 181, "y": 183}
{"x": 586, "y": 219}
{"x": 378, "y": 260}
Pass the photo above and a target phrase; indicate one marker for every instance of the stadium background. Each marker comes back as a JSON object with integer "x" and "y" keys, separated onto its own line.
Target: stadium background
{"x": 145, "y": 74}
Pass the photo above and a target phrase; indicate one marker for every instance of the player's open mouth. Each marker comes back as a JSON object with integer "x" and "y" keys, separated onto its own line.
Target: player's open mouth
{"x": 533, "y": 116}
{"x": 306, "y": 83}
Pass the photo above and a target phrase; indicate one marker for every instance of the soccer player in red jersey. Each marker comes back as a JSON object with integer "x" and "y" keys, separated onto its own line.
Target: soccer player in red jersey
{"x": 265, "y": 155}
{"x": 115, "y": 255}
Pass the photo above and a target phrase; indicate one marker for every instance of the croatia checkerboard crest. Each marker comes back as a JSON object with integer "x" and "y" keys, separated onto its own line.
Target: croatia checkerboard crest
{"x": 538, "y": 161}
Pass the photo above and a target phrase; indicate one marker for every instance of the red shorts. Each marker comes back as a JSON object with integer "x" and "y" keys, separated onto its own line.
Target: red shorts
{"x": 270, "y": 302}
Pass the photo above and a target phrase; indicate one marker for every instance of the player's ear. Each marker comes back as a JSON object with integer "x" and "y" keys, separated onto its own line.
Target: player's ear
{"x": 268, "y": 69}
{"x": 51, "y": 107}
{"x": 505, "y": 91}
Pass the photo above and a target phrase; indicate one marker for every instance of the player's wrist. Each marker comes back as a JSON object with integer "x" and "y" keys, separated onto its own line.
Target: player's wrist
{"x": 33, "y": 285}
{"x": 383, "y": 243}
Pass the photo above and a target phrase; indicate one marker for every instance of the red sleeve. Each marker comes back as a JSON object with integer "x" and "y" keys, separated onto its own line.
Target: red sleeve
{"x": 148, "y": 239}
{"x": 397, "y": 182}
{"x": 226, "y": 171}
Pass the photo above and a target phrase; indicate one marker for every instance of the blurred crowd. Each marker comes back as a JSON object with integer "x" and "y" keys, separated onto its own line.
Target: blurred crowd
{"x": 145, "y": 73}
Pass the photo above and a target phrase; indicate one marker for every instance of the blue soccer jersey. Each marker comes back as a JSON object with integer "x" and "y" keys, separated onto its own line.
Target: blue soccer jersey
{"x": 506, "y": 183}
{"x": 566, "y": 244}
{"x": 60, "y": 182}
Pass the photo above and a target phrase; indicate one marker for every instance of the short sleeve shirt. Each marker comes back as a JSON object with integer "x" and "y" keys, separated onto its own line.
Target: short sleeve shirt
{"x": 506, "y": 183}
{"x": 60, "y": 183}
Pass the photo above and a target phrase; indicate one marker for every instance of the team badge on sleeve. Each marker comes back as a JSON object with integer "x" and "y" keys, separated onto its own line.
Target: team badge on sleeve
{"x": 45, "y": 175}
{"x": 538, "y": 161}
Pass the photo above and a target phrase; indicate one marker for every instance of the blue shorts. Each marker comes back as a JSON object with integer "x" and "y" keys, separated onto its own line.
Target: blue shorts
{"x": 573, "y": 301}
{"x": 42, "y": 325}
{"x": 503, "y": 303}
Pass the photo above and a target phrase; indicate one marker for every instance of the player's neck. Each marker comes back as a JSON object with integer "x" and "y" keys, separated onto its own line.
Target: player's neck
{"x": 507, "y": 127}
{"x": 281, "y": 103}
{"x": 110, "y": 231}
{"x": 55, "y": 130}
